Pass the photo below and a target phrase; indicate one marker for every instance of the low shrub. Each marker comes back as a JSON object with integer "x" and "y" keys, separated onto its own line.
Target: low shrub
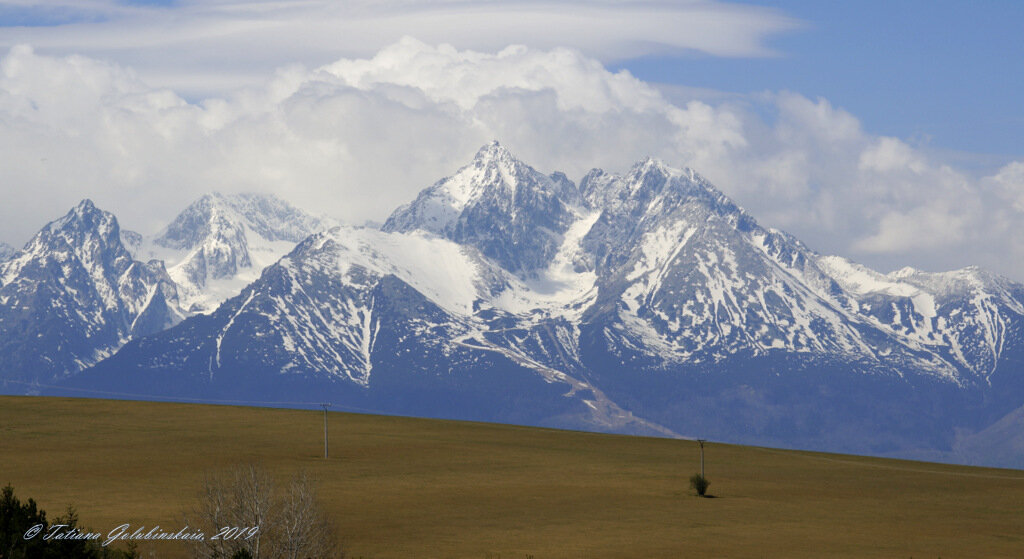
{"x": 699, "y": 484}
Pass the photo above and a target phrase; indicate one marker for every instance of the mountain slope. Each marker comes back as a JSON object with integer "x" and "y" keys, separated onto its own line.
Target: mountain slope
{"x": 363, "y": 318}
{"x": 74, "y": 295}
{"x": 642, "y": 302}
{"x": 715, "y": 325}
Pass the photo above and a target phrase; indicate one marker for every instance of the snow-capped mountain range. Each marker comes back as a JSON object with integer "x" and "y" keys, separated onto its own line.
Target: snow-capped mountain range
{"x": 646, "y": 302}
{"x": 83, "y": 287}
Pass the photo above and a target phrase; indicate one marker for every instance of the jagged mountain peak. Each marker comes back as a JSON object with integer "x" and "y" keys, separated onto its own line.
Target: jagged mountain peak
{"x": 494, "y": 151}
{"x": 653, "y": 198}
{"x": 493, "y": 175}
{"x": 904, "y": 272}
{"x": 493, "y": 167}
{"x": 86, "y": 214}
{"x": 74, "y": 295}
{"x": 962, "y": 282}
{"x": 221, "y": 242}
{"x": 85, "y": 233}
{"x": 508, "y": 210}
{"x": 908, "y": 280}
{"x": 86, "y": 206}
{"x": 649, "y": 165}
{"x": 496, "y": 155}
{"x": 647, "y": 181}
{"x": 84, "y": 220}
{"x": 216, "y": 213}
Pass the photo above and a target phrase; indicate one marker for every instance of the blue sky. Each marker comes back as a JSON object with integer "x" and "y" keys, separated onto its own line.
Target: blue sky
{"x": 947, "y": 73}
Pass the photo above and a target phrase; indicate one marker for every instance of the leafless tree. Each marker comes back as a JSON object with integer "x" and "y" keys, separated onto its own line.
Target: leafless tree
{"x": 262, "y": 520}
{"x": 303, "y": 528}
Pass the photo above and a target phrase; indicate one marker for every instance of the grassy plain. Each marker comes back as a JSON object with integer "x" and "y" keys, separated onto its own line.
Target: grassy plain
{"x": 401, "y": 487}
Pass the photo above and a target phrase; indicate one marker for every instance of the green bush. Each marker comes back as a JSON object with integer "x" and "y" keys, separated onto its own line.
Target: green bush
{"x": 699, "y": 484}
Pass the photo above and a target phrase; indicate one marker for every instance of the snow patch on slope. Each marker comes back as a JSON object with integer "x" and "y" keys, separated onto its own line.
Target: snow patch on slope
{"x": 444, "y": 272}
{"x": 659, "y": 250}
{"x": 563, "y": 288}
{"x": 862, "y": 280}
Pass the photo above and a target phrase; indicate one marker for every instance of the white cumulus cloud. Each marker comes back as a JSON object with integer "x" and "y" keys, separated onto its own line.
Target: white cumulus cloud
{"x": 356, "y": 137}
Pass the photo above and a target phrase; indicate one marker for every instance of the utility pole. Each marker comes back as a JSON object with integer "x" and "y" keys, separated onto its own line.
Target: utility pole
{"x": 701, "y": 442}
{"x": 325, "y": 406}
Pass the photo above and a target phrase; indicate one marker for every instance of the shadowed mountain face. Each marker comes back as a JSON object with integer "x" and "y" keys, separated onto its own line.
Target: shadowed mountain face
{"x": 646, "y": 302}
{"x": 74, "y": 295}
{"x": 506, "y": 209}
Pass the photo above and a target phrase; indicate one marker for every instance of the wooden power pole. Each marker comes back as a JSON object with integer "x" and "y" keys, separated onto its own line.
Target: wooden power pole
{"x": 325, "y": 406}
{"x": 701, "y": 442}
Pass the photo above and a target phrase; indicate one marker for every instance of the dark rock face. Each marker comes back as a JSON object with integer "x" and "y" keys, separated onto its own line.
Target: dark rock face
{"x": 508, "y": 210}
{"x": 74, "y": 295}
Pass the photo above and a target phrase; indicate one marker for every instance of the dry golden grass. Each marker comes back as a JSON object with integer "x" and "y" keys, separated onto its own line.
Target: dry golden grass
{"x": 400, "y": 487}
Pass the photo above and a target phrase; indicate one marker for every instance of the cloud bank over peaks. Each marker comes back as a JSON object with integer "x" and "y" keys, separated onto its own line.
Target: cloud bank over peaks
{"x": 219, "y": 45}
{"x": 359, "y": 136}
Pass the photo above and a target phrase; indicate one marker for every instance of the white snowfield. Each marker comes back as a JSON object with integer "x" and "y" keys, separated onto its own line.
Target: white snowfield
{"x": 457, "y": 278}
